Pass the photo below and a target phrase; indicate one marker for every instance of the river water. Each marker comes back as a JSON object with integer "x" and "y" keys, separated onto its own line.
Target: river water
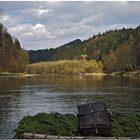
{"x": 21, "y": 96}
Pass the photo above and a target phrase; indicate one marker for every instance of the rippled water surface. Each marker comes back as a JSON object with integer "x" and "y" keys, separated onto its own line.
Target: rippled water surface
{"x": 30, "y": 95}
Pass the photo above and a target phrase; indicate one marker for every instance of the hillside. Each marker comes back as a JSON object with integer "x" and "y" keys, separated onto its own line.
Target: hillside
{"x": 117, "y": 49}
{"x": 12, "y": 57}
{"x": 62, "y": 52}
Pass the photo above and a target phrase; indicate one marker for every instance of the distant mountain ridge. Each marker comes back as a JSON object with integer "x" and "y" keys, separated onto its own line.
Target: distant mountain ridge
{"x": 73, "y": 43}
{"x": 52, "y": 54}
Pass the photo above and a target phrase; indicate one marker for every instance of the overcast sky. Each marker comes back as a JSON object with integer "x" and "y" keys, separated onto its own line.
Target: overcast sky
{"x": 40, "y": 25}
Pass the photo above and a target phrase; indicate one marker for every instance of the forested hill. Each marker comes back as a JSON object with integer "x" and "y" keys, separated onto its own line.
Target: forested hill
{"x": 117, "y": 49}
{"x": 12, "y": 57}
{"x": 66, "y": 51}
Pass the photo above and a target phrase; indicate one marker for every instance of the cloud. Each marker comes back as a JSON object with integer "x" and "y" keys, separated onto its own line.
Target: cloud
{"x": 28, "y": 32}
{"x": 10, "y": 20}
{"x": 39, "y": 23}
{"x": 5, "y": 18}
{"x": 38, "y": 13}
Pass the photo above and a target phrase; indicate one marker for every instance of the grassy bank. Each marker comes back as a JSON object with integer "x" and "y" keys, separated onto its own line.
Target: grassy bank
{"x": 130, "y": 73}
{"x": 69, "y": 67}
{"x": 123, "y": 125}
{"x": 65, "y": 67}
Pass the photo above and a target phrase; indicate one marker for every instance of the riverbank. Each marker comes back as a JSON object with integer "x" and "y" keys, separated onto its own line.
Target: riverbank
{"x": 55, "y": 124}
{"x": 82, "y": 74}
{"x": 8, "y": 74}
{"x": 129, "y": 73}
{"x": 124, "y": 74}
{"x": 74, "y": 67}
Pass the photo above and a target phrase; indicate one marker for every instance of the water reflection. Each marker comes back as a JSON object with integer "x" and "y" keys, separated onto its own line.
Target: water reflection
{"x": 31, "y": 95}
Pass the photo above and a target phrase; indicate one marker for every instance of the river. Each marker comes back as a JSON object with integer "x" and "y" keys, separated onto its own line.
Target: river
{"x": 21, "y": 96}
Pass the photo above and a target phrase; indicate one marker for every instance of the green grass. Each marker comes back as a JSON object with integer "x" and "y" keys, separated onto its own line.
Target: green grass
{"x": 123, "y": 125}
{"x": 65, "y": 67}
{"x": 52, "y": 124}
{"x": 126, "y": 125}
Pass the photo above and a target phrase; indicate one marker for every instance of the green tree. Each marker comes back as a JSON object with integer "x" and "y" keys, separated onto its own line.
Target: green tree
{"x": 12, "y": 57}
{"x": 21, "y": 56}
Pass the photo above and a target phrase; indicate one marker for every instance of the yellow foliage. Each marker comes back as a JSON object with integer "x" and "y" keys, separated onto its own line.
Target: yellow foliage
{"x": 65, "y": 67}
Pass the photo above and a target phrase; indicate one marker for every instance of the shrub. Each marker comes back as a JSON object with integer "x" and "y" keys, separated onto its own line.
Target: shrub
{"x": 65, "y": 67}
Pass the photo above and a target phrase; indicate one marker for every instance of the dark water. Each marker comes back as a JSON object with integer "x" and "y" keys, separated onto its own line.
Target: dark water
{"x": 31, "y": 95}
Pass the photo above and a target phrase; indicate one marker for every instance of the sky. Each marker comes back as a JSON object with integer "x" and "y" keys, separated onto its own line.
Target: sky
{"x": 41, "y": 25}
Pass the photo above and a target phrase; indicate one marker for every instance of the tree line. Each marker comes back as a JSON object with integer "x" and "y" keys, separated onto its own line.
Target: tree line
{"x": 119, "y": 50}
{"x": 12, "y": 57}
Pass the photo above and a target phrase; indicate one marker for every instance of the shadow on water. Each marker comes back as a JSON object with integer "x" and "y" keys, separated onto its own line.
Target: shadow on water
{"x": 31, "y": 95}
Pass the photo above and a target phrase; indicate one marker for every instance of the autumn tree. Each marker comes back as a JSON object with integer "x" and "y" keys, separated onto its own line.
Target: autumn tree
{"x": 126, "y": 59}
{"x": 110, "y": 62}
{"x": 97, "y": 54}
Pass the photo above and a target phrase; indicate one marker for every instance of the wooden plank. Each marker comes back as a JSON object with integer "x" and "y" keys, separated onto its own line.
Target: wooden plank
{"x": 42, "y": 136}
